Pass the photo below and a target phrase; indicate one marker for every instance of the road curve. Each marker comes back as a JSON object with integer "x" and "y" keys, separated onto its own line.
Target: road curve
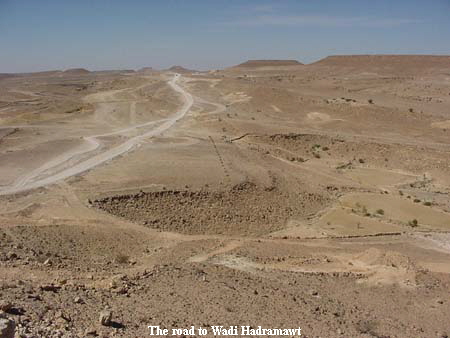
{"x": 31, "y": 180}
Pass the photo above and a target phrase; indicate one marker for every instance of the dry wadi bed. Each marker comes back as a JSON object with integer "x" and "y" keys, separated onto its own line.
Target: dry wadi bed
{"x": 287, "y": 195}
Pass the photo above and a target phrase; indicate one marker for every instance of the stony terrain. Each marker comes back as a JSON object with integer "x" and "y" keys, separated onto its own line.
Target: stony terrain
{"x": 271, "y": 194}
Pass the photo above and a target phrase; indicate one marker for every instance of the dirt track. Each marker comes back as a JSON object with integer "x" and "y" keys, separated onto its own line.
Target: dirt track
{"x": 32, "y": 180}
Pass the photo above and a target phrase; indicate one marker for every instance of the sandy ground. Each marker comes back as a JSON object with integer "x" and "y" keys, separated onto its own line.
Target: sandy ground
{"x": 271, "y": 194}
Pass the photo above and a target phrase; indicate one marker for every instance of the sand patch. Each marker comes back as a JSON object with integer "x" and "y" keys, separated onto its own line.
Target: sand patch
{"x": 378, "y": 177}
{"x": 320, "y": 117}
{"x": 441, "y": 125}
{"x": 339, "y": 222}
{"x": 398, "y": 210}
{"x": 237, "y": 97}
{"x": 278, "y": 110}
{"x": 371, "y": 266}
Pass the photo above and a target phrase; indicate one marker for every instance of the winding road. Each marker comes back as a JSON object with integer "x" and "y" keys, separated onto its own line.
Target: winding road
{"x": 48, "y": 173}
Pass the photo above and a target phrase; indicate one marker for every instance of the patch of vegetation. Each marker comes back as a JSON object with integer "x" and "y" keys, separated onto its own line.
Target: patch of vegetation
{"x": 325, "y": 148}
{"x": 370, "y": 101}
{"x": 122, "y": 259}
{"x": 367, "y": 327}
{"x": 362, "y": 210}
{"x": 297, "y": 159}
{"x": 416, "y": 200}
{"x": 76, "y": 110}
{"x": 345, "y": 166}
{"x": 361, "y": 160}
{"x": 427, "y": 203}
{"x": 380, "y": 212}
{"x": 413, "y": 223}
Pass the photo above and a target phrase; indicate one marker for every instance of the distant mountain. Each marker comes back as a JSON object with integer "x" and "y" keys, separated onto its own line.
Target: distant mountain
{"x": 77, "y": 71}
{"x": 41, "y": 73}
{"x": 180, "y": 69}
{"x": 268, "y": 63}
{"x": 6, "y": 75}
{"x": 145, "y": 69}
{"x": 395, "y": 63}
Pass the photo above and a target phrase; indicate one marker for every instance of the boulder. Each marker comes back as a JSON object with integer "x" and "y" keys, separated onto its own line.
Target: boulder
{"x": 105, "y": 318}
{"x": 7, "y": 328}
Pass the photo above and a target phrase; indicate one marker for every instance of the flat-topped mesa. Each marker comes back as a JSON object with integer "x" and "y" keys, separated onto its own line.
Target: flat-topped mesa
{"x": 400, "y": 61}
{"x": 180, "y": 69}
{"x": 77, "y": 71}
{"x": 269, "y": 63}
{"x": 146, "y": 69}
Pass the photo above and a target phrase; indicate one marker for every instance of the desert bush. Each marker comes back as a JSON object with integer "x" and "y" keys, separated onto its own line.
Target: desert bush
{"x": 122, "y": 259}
{"x": 380, "y": 212}
{"x": 427, "y": 203}
{"x": 364, "y": 210}
{"x": 413, "y": 223}
{"x": 367, "y": 327}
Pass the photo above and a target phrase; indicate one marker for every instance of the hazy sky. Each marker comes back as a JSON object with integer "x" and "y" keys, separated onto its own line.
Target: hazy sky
{"x": 203, "y": 34}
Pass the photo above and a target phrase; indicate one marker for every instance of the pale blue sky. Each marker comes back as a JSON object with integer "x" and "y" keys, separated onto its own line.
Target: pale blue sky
{"x": 111, "y": 34}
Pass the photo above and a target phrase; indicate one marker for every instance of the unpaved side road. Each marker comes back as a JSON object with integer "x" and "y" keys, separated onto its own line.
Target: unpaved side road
{"x": 32, "y": 180}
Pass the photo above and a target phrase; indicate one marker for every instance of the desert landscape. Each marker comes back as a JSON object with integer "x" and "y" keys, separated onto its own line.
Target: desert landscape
{"x": 272, "y": 193}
